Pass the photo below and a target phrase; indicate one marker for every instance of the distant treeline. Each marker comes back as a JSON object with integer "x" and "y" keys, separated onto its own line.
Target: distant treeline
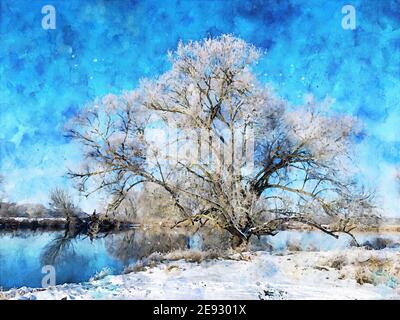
{"x": 8, "y": 209}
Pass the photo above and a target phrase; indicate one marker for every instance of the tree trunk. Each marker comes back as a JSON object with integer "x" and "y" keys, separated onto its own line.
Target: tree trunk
{"x": 240, "y": 244}
{"x": 240, "y": 233}
{"x": 240, "y": 239}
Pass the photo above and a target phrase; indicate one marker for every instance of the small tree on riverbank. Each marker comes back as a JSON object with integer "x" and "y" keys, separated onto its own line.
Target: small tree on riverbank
{"x": 222, "y": 148}
{"x": 62, "y": 203}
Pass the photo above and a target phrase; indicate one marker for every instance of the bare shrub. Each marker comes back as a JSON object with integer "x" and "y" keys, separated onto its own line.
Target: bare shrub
{"x": 155, "y": 258}
{"x": 363, "y": 276}
{"x": 372, "y": 270}
{"x": 338, "y": 262}
{"x": 293, "y": 246}
{"x": 375, "y": 271}
{"x": 3, "y": 296}
{"x": 192, "y": 255}
{"x": 378, "y": 243}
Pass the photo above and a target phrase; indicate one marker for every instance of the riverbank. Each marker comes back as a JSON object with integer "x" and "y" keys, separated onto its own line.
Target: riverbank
{"x": 94, "y": 223}
{"x": 347, "y": 274}
{"x": 14, "y": 223}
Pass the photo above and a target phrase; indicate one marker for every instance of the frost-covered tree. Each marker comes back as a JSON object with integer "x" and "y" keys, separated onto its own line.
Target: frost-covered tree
{"x": 223, "y": 148}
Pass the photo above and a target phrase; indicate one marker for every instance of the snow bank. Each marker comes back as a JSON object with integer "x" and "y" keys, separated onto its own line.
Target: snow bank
{"x": 260, "y": 275}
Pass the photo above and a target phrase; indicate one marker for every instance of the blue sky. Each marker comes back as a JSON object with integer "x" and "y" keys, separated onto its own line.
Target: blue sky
{"x": 104, "y": 46}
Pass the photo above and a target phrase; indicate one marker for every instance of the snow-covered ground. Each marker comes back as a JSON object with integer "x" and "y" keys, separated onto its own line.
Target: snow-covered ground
{"x": 26, "y": 219}
{"x": 259, "y": 275}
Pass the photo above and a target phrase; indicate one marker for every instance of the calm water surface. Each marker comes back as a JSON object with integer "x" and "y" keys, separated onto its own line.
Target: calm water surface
{"x": 77, "y": 258}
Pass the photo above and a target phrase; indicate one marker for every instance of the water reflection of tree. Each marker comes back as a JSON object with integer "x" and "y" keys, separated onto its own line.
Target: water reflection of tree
{"x": 57, "y": 247}
{"x": 135, "y": 244}
{"x": 19, "y": 234}
{"x": 139, "y": 243}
